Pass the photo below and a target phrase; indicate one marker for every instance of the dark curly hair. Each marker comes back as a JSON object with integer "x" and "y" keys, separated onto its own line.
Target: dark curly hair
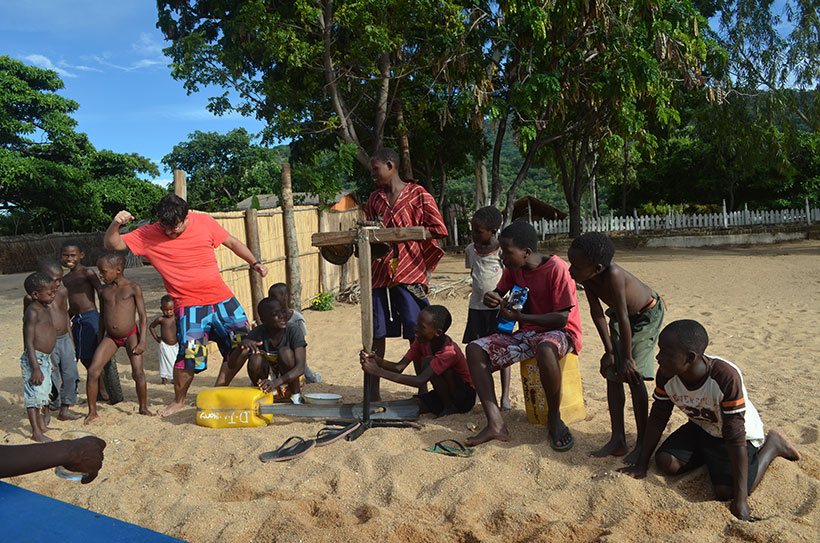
{"x": 115, "y": 259}
{"x": 386, "y": 154}
{"x": 36, "y": 282}
{"x": 522, "y": 235}
{"x": 441, "y": 317}
{"x": 489, "y": 217}
{"x": 691, "y": 335}
{"x": 596, "y": 247}
{"x": 171, "y": 210}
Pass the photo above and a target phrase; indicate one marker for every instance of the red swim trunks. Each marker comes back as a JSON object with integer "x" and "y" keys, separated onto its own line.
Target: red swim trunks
{"x": 120, "y": 341}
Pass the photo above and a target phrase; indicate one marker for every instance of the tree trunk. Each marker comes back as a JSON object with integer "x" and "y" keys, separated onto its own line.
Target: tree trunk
{"x": 480, "y": 184}
{"x": 625, "y": 186}
{"x": 406, "y": 166}
{"x": 381, "y": 100}
{"x": 294, "y": 277}
{"x": 495, "y": 191}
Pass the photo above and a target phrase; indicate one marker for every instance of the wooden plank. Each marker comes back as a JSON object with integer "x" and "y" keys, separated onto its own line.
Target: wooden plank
{"x": 180, "y": 186}
{"x": 386, "y": 235}
{"x": 294, "y": 278}
{"x": 252, "y": 240}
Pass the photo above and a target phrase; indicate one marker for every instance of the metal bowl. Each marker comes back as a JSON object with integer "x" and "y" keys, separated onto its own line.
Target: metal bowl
{"x": 322, "y": 398}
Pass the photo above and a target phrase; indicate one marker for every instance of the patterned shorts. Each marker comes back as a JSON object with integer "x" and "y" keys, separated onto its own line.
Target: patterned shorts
{"x": 507, "y": 349}
{"x": 225, "y": 321}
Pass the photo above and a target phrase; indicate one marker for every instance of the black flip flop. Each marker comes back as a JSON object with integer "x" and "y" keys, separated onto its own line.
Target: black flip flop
{"x": 293, "y": 447}
{"x": 329, "y": 434}
{"x": 564, "y": 441}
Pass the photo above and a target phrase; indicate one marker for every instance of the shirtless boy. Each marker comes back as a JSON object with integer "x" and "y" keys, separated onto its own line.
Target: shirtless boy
{"x": 82, "y": 285}
{"x": 167, "y": 339}
{"x": 635, "y": 318}
{"x": 38, "y": 339}
{"x": 64, "y": 376}
{"x": 120, "y": 298}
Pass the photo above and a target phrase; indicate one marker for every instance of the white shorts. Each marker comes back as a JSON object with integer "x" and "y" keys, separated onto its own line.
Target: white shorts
{"x": 167, "y": 358}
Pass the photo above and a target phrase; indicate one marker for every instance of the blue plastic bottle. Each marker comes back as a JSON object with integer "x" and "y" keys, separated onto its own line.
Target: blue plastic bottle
{"x": 516, "y": 298}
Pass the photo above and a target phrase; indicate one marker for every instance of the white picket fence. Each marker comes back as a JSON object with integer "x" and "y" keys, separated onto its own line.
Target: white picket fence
{"x": 672, "y": 221}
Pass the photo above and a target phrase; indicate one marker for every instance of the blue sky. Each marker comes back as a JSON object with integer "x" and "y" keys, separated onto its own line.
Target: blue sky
{"x": 109, "y": 55}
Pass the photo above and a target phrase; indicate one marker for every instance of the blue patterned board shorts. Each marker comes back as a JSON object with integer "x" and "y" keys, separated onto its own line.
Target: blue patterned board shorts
{"x": 36, "y": 396}
{"x": 225, "y": 323}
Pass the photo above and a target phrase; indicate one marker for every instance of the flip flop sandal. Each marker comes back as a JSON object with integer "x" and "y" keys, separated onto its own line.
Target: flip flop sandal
{"x": 329, "y": 434}
{"x": 565, "y": 440}
{"x": 451, "y": 447}
{"x": 293, "y": 447}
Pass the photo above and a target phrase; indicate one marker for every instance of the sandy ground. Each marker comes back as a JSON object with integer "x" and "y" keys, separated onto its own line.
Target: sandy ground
{"x": 759, "y": 304}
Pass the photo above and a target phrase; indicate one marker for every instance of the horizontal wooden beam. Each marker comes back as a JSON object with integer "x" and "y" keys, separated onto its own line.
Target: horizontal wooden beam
{"x": 377, "y": 235}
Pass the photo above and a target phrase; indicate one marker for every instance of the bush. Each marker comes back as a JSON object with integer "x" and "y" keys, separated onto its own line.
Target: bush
{"x": 323, "y": 302}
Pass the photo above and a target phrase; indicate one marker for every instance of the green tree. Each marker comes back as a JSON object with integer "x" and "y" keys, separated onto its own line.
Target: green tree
{"x": 52, "y": 177}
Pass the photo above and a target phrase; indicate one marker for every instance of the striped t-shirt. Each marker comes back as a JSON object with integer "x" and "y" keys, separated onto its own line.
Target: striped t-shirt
{"x": 720, "y": 405}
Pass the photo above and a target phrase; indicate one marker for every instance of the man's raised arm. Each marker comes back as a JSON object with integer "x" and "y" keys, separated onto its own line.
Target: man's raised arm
{"x": 112, "y": 239}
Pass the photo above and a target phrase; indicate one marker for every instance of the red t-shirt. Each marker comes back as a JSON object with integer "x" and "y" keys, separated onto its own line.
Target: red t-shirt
{"x": 450, "y": 356}
{"x": 186, "y": 263}
{"x": 551, "y": 289}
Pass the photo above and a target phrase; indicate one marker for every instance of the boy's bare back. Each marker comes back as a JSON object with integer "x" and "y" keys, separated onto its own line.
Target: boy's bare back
{"x": 81, "y": 284}
{"x": 37, "y": 320}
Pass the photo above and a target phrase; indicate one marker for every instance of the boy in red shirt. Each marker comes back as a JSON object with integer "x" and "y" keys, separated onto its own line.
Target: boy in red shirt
{"x": 549, "y": 326}
{"x": 441, "y": 363}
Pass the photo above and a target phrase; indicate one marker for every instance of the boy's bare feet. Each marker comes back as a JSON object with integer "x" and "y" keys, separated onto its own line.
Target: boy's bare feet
{"x": 172, "y": 408}
{"x": 91, "y": 418}
{"x": 782, "y": 446}
{"x": 488, "y": 434}
{"x": 46, "y": 420}
{"x": 615, "y": 447}
{"x": 164, "y": 381}
{"x": 506, "y": 405}
{"x": 145, "y": 411}
{"x": 41, "y": 438}
{"x": 632, "y": 458}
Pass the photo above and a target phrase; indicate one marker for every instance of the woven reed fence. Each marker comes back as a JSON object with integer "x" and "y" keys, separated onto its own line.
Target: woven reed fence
{"x": 20, "y": 254}
{"x": 317, "y": 275}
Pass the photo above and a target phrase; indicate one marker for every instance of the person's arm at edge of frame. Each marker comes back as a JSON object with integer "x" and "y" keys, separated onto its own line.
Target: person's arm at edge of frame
{"x": 143, "y": 319}
{"x": 81, "y": 455}
{"x": 658, "y": 419}
{"x": 112, "y": 240}
{"x": 29, "y": 327}
{"x": 241, "y": 250}
{"x": 734, "y": 435}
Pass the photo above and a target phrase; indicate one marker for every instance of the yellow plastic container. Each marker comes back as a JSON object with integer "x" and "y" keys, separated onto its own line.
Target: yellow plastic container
{"x": 572, "y": 394}
{"x": 232, "y": 407}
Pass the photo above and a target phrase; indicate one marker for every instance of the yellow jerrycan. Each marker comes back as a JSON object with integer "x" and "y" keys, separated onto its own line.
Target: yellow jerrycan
{"x": 232, "y": 407}
{"x": 572, "y": 394}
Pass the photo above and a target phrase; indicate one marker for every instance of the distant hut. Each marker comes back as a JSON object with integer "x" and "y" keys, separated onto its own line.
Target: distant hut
{"x": 533, "y": 210}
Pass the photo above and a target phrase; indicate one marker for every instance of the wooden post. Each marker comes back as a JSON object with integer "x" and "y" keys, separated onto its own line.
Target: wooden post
{"x": 291, "y": 246}
{"x": 323, "y": 227}
{"x": 366, "y": 306}
{"x": 635, "y": 218}
{"x": 252, "y": 240}
{"x": 180, "y": 186}
{"x": 808, "y": 212}
{"x": 723, "y": 215}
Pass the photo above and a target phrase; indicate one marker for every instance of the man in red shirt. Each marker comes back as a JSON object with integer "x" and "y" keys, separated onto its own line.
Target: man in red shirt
{"x": 181, "y": 247}
{"x": 549, "y": 326}
{"x": 400, "y": 277}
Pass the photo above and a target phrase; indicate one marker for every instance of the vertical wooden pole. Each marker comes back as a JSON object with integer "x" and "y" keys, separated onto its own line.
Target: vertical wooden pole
{"x": 366, "y": 306}
{"x": 323, "y": 227}
{"x": 180, "y": 186}
{"x": 291, "y": 246}
{"x": 808, "y": 212}
{"x": 252, "y": 240}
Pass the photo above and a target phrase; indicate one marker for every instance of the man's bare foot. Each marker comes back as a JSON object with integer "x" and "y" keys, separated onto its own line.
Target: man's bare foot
{"x": 615, "y": 447}
{"x": 145, "y": 411}
{"x": 632, "y": 458}
{"x": 41, "y": 438}
{"x": 488, "y": 434}
{"x": 46, "y": 419}
{"x": 91, "y": 418}
{"x": 65, "y": 414}
{"x": 506, "y": 405}
{"x": 172, "y": 408}
{"x": 782, "y": 445}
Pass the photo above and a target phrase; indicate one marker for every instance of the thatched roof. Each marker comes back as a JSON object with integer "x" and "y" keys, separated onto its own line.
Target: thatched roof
{"x": 539, "y": 209}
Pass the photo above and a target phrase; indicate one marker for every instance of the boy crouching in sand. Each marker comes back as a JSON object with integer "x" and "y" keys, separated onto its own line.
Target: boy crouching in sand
{"x": 39, "y": 338}
{"x": 120, "y": 299}
{"x": 275, "y": 351}
{"x": 439, "y": 361}
{"x": 167, "y": 339}
{"x": 724, "y": 431}
{"x": 635, "y": 318}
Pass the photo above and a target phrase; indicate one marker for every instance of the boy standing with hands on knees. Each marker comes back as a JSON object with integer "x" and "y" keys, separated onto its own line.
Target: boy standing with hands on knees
{"x": 635, "y": 318}
{"x": 167, "y": 339}
{"x": 121, "y": 299}
{"x": 724, "y": 431}
{"x": 39, "y": 338}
